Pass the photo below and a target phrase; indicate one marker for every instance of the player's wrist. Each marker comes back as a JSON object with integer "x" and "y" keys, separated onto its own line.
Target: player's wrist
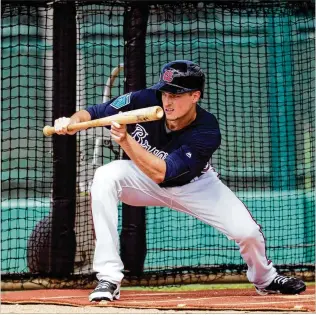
{"x": 125, "y": 139}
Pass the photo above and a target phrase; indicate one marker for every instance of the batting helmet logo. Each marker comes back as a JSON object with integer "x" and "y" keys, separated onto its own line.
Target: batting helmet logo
{"x": 168, "y": 76}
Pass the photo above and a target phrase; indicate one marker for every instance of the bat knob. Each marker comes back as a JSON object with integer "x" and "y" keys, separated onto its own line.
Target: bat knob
{"x": 47, "y": 131}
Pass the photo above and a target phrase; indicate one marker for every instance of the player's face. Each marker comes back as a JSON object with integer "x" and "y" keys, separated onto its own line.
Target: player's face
{"x": 177, "y": 106}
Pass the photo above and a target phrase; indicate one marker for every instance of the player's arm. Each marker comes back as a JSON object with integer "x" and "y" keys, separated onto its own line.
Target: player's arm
{"x": 186, "y": 161}
{"x": 122, "y": 103}
{"x": 148, "y": 163}
{"x": 92, "y": 112}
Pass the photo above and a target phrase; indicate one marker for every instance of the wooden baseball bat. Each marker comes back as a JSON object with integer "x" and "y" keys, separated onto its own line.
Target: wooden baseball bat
{"x": 131, "y": 117}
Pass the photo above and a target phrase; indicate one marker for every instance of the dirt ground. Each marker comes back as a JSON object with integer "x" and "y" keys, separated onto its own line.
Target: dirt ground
{"x": 57, "y": 309}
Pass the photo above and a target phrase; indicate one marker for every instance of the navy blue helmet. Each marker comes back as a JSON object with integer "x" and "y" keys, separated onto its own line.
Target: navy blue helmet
{"x": 181, "y": 76}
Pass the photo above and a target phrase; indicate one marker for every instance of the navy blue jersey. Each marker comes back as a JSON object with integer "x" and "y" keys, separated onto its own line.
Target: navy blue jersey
{"x": 186, "y": 152}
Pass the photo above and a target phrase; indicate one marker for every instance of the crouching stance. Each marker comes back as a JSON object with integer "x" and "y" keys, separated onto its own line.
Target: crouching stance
{"x": 169, "y": 166}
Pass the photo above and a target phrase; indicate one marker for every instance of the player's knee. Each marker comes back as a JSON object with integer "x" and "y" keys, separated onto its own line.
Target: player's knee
{"x": 250, "y": 233}
{"x": 110, "y": 173}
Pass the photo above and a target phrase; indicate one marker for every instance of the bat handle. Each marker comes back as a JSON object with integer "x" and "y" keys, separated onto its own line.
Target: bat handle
{"x": 48, "y": 131}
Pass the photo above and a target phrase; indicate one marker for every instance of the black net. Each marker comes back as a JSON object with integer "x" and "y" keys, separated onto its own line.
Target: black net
{"x": 26, "y": 157}
{"x": 259, "y": 62}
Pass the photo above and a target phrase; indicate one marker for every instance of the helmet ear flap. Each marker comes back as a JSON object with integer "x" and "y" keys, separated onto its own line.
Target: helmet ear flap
{"x": 159, "y": 95}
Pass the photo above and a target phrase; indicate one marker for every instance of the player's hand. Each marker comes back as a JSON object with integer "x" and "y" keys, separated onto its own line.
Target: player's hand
{"x": 61, "y": 125}
{"x": 118, "y": 132}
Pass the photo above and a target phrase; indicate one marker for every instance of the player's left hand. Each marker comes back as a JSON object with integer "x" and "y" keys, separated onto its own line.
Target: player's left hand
{"x": 118, "y": 132}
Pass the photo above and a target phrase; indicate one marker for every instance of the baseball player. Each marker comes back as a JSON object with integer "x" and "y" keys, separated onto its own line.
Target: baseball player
{"x": 170, "y": 166}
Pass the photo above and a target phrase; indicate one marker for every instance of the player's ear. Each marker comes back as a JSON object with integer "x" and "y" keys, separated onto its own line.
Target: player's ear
{"x": 196, "y": 96}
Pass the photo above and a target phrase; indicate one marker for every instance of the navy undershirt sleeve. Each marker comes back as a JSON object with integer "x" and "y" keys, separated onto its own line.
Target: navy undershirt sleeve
{"x": 180, "y": 162}
{"x": 190, "y": 159}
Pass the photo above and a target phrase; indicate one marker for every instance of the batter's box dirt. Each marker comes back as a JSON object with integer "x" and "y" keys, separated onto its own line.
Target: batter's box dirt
{"x": 222, "y": 299}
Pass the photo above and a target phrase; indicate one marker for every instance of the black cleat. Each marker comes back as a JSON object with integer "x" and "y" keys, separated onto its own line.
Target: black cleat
{"x": 105, "y": 291}
{"x": 283, "y": 285}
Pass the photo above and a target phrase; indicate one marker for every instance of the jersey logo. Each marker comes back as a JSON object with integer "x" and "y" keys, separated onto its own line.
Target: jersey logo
{"x": 168, "y": 76}
{"x": 188, "y": 155}
{"x": 139, "y": 134}
{"x": 122, "y": 101}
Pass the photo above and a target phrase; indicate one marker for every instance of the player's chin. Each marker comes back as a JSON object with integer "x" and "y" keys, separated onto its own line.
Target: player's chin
{"x": 171, "y": 116}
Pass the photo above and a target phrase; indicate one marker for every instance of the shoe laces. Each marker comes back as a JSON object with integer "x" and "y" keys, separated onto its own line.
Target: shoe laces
{"x": 103, "y": 284}
{"x": 281, "y": 279}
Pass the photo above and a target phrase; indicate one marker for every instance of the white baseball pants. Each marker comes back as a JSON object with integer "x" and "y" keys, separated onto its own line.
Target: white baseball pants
{"x": 207, "y": 199}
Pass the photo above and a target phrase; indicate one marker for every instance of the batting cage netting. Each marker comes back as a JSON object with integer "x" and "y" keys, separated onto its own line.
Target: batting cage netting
{"x": 61, "y": 56}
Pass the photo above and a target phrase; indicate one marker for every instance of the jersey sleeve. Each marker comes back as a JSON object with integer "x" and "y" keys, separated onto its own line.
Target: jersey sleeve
{"x": 119, "y": 104}
{"x": 189, "y": 160}
{"x": 123, "y": 103}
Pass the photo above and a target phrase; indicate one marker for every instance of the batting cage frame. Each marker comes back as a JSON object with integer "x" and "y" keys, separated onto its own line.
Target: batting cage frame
{"x": 61, "y": 56}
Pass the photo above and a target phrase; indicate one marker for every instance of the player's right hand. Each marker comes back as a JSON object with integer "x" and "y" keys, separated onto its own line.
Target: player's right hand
{"x": 61, "y": 125}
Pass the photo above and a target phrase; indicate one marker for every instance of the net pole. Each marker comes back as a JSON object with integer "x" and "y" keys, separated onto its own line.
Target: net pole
{"x": 133, "y": 235}
{"x": 63, "y": 244}
{"x": 282, "y": 119}
{"x": 47, "y": 25}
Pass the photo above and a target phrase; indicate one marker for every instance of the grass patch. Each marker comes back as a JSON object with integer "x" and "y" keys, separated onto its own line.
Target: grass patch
{"x": 197, "y": 287}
